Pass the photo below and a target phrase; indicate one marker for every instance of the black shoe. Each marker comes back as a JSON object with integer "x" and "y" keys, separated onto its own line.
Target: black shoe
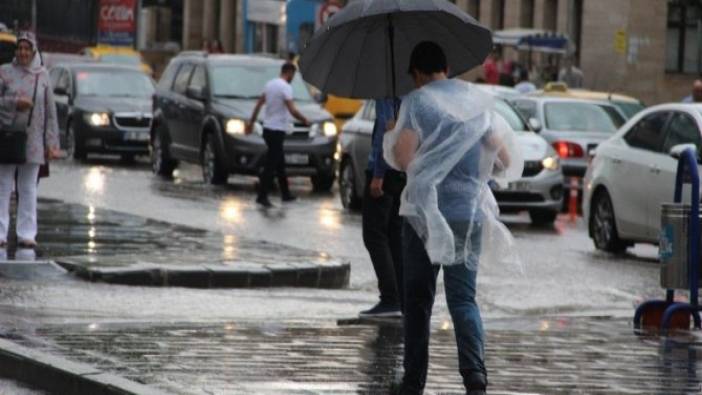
{"x": 263, "y": 201}
{"x": 288, "y": 198}
{"x": 382, "y": 311}
{"x": 475, "y": 382}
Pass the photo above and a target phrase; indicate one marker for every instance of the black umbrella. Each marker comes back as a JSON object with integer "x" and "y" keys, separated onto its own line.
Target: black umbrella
{"x": 363, "y": 51}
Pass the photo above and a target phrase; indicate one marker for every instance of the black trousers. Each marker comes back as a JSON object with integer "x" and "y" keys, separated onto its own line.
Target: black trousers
{"x": 275, "y": 164}
{"x": 382, "y": 235}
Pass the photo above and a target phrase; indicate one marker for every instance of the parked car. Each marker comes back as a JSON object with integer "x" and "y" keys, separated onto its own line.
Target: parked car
{"x": 632, "y": 173}
{"x": 103, "y": 109}
{"x": 117, "y": 55}
{"x": 8, "y": 41}
{"x": 540, "y": 190}
{"x": 573, "y": 127}
{"x": 629, "y": 106}
{"x": 202, "y": 104}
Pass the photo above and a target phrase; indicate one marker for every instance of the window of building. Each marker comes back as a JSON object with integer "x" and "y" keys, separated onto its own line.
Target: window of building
{"x": 684, "y": 37}
{"x": 551, "y": 15}
{"x": 474, "y": 8}
{"x": 498, "y": 14}
{"x": 526, "y": 15}
{"x": 266, "y": 38}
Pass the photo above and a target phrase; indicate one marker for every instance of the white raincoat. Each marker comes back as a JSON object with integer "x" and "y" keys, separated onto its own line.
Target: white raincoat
{"x": 459, "y": 138}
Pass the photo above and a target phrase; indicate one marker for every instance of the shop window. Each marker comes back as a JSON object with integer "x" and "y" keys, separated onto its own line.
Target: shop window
{"x": 684, "y": 37}
{"x": 266, "y": 38}
{"x": 526, "y": 16}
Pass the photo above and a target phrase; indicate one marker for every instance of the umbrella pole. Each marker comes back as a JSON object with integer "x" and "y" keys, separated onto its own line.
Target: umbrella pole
{"x": 391, "y": 37}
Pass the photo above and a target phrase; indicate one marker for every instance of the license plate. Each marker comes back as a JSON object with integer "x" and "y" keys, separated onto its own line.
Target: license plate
{"x": 137, "y": 136}
{"x": 297, "y": 159}
{"x": 518, "y": 186}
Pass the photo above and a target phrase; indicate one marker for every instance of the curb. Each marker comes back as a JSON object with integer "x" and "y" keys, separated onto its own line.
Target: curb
{"x": 61, "y": 376}
{"x": 332, "y": 275}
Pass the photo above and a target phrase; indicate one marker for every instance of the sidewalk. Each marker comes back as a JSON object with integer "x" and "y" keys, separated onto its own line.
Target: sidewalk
{"x": 112, "y": 247}
{"x": 524, "y": 356}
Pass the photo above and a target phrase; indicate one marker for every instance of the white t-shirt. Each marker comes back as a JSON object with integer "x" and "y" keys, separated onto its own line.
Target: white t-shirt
{"x": 276, "y": 115}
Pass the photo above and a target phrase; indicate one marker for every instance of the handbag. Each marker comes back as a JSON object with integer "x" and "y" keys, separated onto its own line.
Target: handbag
{"x": 13, "y": 143}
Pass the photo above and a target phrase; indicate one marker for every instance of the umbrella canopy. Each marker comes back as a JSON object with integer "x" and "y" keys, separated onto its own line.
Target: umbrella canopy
{"x": 363, "y": 51}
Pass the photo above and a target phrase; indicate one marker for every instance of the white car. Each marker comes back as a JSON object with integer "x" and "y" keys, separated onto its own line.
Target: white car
{"x": 633, "y": 172}
{"x": 539, "y": 191}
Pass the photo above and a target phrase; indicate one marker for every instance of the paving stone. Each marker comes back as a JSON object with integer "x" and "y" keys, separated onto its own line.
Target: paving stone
{"x": 559, "y": 356}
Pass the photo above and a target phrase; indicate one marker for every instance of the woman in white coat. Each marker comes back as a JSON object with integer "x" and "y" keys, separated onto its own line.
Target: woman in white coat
{"x": 25, "y": 91}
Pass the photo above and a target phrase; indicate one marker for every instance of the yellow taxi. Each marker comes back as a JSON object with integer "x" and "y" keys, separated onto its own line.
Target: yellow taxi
{"x": 8, "y": 41}
{"x": 342, "y": 109}
{"x": 118, "y": 55}
{"x": 628, "y": 105}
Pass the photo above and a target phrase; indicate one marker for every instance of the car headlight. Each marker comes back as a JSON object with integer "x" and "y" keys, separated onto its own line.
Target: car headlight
{"x": 99, "y": 119}
{"x": 551, "y": 163}
{"x": 329, "y": 129}
{"x": 236, "y": 127}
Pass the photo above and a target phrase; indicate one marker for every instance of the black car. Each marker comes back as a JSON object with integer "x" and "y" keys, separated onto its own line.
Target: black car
{"x": 103, "y": 109}
{"x": 201, "y": 107}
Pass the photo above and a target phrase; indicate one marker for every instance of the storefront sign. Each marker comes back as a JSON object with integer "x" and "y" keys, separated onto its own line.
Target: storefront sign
{"x": 117, "y": 22}
{"x": 266, "y": 11}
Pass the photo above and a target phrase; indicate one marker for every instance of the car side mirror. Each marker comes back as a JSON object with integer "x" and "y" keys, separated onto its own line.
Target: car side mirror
{"x": 60, "y": 91}
{"x": 677, "y": 150}
{"x": 196, "y": 93}
{"x": 535, "y": 124}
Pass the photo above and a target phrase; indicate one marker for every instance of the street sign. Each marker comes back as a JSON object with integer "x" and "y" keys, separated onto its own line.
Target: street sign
{"x": 117, "y": 22}
{"x": 326, "y": 11}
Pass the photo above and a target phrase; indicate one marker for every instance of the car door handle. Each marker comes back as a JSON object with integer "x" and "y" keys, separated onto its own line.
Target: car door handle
{"x": 655, "y": 169}
{"x": 617, "y": 161}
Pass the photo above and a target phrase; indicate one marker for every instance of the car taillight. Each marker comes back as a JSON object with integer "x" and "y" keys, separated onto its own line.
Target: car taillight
{"x": 566, "y": 149}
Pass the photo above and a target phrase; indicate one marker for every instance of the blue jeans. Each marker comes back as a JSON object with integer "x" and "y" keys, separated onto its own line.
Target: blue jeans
{"x": 420, "y": 287}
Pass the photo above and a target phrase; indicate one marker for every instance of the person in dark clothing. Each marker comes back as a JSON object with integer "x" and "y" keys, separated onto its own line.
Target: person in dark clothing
{"x": 277, "y": 122}
{"x": 382, "y": 224}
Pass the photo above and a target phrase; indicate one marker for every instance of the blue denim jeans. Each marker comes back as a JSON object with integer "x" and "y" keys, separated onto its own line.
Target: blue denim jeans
{"x": 420, "y": 287}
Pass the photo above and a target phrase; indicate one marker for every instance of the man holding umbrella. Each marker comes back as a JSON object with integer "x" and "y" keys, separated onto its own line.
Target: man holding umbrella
{"x": 449, "y": 142}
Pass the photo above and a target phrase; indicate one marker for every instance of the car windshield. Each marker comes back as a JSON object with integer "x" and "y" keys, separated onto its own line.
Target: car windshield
{"x": 247, "y": 82}
{"x": 628, "y": 108}
{"x": 510, "y": 115}
{"x": 121, "y": 59}
{"x": 114, "y": 83}
{"x": 582, "y": 117}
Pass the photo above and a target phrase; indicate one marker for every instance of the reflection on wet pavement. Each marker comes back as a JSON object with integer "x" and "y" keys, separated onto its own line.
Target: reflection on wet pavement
{"x": 546, "y": 356}
{"x": 90, "y": 235}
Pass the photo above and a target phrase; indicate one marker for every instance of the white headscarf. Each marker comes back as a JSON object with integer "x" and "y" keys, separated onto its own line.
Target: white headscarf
{"x": 37, "y": 65}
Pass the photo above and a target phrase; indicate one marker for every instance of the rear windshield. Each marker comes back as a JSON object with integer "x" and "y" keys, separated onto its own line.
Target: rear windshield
{"x": 582, "y": 117}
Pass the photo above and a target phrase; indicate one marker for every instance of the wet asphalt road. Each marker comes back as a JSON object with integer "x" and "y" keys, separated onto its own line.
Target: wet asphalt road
{"x": 561, "y": 272}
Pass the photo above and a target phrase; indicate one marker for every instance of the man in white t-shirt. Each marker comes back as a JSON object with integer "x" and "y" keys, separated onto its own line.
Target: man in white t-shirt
{"x": 277, "y": 122}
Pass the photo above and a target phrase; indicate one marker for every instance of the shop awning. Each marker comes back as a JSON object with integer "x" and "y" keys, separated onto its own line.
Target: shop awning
{"x": 534, "y": 40}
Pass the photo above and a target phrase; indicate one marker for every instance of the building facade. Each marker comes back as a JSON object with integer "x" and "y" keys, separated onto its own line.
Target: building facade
{"x": 650, "y": 49}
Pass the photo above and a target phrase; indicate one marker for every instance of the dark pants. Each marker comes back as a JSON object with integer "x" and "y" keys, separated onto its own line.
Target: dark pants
{"x": 382, "y": 235}
{"x": 275, "y": 163}
{"x": 420, "y": 288}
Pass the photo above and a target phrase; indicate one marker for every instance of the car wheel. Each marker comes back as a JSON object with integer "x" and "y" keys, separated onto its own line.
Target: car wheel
{"x": 542, "y": 217}
{"x": 347, "y": 186}
{"x": 74, "y": 149}
{"x": 212, "y": 171}
{"x": 603, "y": 226}
{"x": 161, "y": 162}
{"x": 323, "y": 183}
